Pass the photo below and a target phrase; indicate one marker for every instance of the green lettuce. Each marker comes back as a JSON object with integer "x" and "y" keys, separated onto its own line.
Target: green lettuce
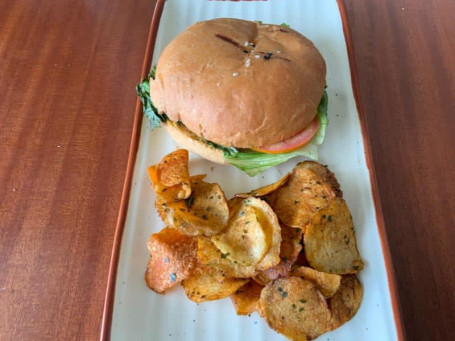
{"x": 150, "y": 111}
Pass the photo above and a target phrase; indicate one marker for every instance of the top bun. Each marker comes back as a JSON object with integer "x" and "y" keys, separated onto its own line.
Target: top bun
{"x": 240, "y": 83}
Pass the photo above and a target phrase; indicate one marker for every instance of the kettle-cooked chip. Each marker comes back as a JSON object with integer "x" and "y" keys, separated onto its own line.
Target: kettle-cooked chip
{"x": 302, "y": 196}
{"x": 246, "y": 297}
{"x": 205, "y": 212}
{"x": 266, "y": 190}
{"x": 346, "y": 301}
{"x": 172, "y": 173}
{"x": 289, "y": 251}
{"x": 207, "y": 284}
{"x": 294, "y": 307}
{"x": 329, "y": 242}
{"x": 245, "y": 238}
{"x": 326, "y": 175}
{"x": 173, "y": 256}
{"x": 208, "y": 254}
{"x": 327, "y": 284}
{"x": 253, "y": 235}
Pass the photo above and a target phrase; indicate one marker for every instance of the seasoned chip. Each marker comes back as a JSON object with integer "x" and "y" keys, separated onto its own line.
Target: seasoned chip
{"x": 327, "y": 284}
{"x": 253, "y": 235}
{"x": 266, "y": 190}
{"x": 346, "y": 301}
{"x": 246, "y": 297}
{"x": 272, "y": 230}
{"x": 289, "y": 251}
{"x": 172, "y": 175}
{"x": 329, "y": 242}
{"x": 209, "y": 254}
{"x": 208, "y": 284}
{"x": 205, "y": 212}
{"x": 326, "y": 175}
{"x": 302, "y": 196}
{"x": 294, "y": 307}
{"x": 245, "y": 239}
{"x": 173, "y": 256}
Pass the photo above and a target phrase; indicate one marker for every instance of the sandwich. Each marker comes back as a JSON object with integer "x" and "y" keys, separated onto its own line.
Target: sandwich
{"x": 239, "y": 92}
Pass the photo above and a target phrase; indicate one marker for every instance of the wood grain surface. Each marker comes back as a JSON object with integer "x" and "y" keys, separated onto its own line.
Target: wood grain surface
{"x": 67, "y": 76}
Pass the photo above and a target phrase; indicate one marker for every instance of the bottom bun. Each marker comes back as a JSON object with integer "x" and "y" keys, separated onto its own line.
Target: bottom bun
{"x": 188, "y": 140}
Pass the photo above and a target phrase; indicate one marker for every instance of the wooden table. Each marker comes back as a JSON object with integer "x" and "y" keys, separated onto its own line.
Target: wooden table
{"x": 67, "y": 76}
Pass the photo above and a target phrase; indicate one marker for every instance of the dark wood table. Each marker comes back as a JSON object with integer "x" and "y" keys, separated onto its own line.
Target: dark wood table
{"x": 67, "y": 76}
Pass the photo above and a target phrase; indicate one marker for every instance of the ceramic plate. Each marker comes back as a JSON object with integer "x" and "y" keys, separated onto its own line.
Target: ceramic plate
{"x": 134, "y": 312}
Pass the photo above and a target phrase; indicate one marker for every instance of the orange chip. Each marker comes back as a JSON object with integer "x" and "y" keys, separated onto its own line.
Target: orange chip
{"x": 289, "y": 250}
{"x": 173, "y": 256}
{"x": 266, "y": 190}
{"x": 209, "y": 284}
{"x": 172, "y": 173}
{"x": 305, "y": 193}
{"x": 246, "y": 297}
{"x": 346, "y": 301}
{"x": 205, "y": 212}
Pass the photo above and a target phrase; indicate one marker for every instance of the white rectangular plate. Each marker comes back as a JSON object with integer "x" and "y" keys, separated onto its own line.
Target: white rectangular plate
{"x": 139, "y": 313}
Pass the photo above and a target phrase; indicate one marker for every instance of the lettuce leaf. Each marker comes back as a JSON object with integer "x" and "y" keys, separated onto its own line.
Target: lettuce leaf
{"x": 253, "y": 162}
{"x": 143, "y": 91}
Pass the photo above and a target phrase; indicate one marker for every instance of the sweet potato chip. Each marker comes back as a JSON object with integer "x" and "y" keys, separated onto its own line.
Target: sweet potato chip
{"x": 302, "y": 196}
{"x": 327, "y": 284}
{"x": 205, "y": 212}
{"x": 173, "y": 256}
{"x": 266, "y": 190}
{"x": 172, "y": 175}
{"x": 208, "y": 284}
{"x": 346, "y": 301}
{"x": 329, "y": 242}
{"x": 295, "y": 308}
{"x": 246, "y": 297}
{"x": 289, "y": 251}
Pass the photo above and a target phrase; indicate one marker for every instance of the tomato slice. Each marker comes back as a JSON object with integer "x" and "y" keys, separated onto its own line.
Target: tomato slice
{"x": 294, "y": 142}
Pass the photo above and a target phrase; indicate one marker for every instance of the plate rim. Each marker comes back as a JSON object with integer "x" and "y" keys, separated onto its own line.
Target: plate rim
{"x": 108, "y": 308}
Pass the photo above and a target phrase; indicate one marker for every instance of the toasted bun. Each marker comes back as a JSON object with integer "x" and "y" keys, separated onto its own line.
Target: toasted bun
{"x": 188, "y": 141}
{"x": 240, "y": 83}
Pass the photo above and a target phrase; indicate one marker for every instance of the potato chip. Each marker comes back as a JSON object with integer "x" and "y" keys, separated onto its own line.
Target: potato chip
{"x": 205, "y": 212}
{"x": 245, "y": 239}
{"x": 208, "y": 284}
{"x": 173, "y": 170}
{"x": 266, "y": 190}
{"x": 253, "y": 235}
{"x": 246, "y": 297}
{"x": 272, "y": 230}
{"x": 173, "y": 256}
{"x": 295, "y": 308}
{"x": 326, "y": 175}
{"x": 302, "y": 196}
{"x": 289, "y": 250}
{"x": 329, "y": 242}
{"x": 327, "y": 284}
{"x": 209, "y": 254}
{"x": 346, "y": 301}
{"x": 172, "y": 175}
